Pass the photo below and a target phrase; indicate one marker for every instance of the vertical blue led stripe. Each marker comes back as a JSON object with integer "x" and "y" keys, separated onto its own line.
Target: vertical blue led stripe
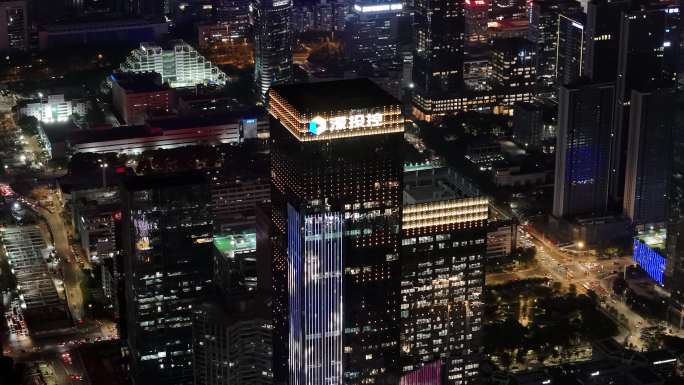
{"x": 650, "y": 260}
{"x": 323, "y": 298}
{"x": 315, "y": 297}
{"x": 294, "y": 283}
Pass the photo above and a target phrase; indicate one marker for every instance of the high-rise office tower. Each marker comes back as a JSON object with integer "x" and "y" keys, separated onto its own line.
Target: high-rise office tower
{"x": 371, "y": 40}
{"x": 513, "y": 65}
{"x": 442, "y": 274}
{"x": 571, "y": 48}
{"x": 543, "y": 32}
{"x": 14, "y": 25}
{"x": 674, "y": 272}
{"x": 476, "y": 19}
{"x": 649, "y": 156}
{"x": 582, "y": 149}
{"x": 602, "y": 38}
{"x": 337, "y": 178}
{"x": 232, "y": 342}
{"x": 167, "y": 241}
{"x": 438, "y": 57}
{"x": 273, "y": 42}
{"x": 235, "y": 13}
{"x": 647, "y": 58}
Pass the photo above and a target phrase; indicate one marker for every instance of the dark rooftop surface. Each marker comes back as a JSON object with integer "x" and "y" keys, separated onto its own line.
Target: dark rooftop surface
{"x": 181, "y": 122}
{"x": 335, "y": 95}
{"x": 156, "y": 127}
{"x": 511, "y": 44}
{"x": 134, "y": 183}
{"x": 139, "y": 82}
{"x": 116, "y": 133}
{"x": 94, "y": 22}
{"x": 646, "y": 375}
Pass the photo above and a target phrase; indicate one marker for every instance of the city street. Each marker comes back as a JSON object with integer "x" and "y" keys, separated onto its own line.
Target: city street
{"x": 63, "y": 366}
{"x": 71, "y": 271}
{"x": 587, "y": 272}
{"x": 56, "y": 356}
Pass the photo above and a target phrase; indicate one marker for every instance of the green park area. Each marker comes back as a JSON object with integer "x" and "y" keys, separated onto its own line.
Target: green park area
{"x": 543, "y": 324}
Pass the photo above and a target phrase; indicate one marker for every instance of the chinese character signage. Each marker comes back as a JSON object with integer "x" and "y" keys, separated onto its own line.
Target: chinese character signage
{"x": 319, "y": 125}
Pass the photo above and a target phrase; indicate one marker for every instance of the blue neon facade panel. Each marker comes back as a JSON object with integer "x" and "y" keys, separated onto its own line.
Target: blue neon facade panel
{"x": 650, "y": 260}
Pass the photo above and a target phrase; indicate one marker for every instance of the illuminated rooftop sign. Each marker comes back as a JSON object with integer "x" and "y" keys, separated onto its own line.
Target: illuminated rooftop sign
{"x": 338, "y": 124}
{"x": 319, "y": 125}
{"x": 336, "y": 109}
{"x": 378, "y": 7}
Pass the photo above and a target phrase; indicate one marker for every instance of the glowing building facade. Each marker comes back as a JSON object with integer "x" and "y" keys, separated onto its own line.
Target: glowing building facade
{"x": 649, "y": 253}
{"x": 178, "y": 63}
{"x": 336, "y": 180}
{"x": 442, "y": 277}
{"x": 53, "y": 108}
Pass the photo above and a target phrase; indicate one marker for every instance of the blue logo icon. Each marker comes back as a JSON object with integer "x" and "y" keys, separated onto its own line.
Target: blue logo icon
{"x": 318, "y": 125}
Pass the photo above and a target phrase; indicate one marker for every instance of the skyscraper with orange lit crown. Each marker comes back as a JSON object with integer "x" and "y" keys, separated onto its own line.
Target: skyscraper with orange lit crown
{"x": 336, "y": 197}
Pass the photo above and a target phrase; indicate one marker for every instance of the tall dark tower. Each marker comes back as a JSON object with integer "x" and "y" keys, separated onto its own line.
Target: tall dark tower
{"x": 674, "y": 273}
{"x": 370, "y": 39}
{"x": 438, "y": 59}
{"x": 543, "y": 32}
{"x": 648, "y": 59}
{"x": 582, "y": 149}
{"x": 571, "y": 49}
{"x": 167, "y": 234}
{"x": 603, "y": 38}
{"x": 337, "y": 193}
{"x": 272, "y": 44}
{"x": 649, "y": 156}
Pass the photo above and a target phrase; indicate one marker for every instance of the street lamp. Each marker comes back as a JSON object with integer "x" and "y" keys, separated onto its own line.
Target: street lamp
{"x": 104, "y": 166}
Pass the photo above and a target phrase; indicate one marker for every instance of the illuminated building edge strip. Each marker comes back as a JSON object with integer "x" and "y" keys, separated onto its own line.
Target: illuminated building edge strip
{"x": 298, "y": 123}
{"x": 445, "y": 213}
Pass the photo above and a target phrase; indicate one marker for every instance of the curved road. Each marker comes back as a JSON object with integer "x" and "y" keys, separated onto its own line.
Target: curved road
{"x": 71, "y": 273}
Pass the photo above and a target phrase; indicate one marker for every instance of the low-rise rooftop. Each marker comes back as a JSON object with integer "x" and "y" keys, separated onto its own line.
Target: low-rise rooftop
{"x": 132, "y": 82}
{"x": 433, "y": 182}
{"x": 230, "y": 244}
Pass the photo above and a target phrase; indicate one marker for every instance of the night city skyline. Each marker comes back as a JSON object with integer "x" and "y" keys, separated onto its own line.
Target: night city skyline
{"x": 341, "y": 192}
